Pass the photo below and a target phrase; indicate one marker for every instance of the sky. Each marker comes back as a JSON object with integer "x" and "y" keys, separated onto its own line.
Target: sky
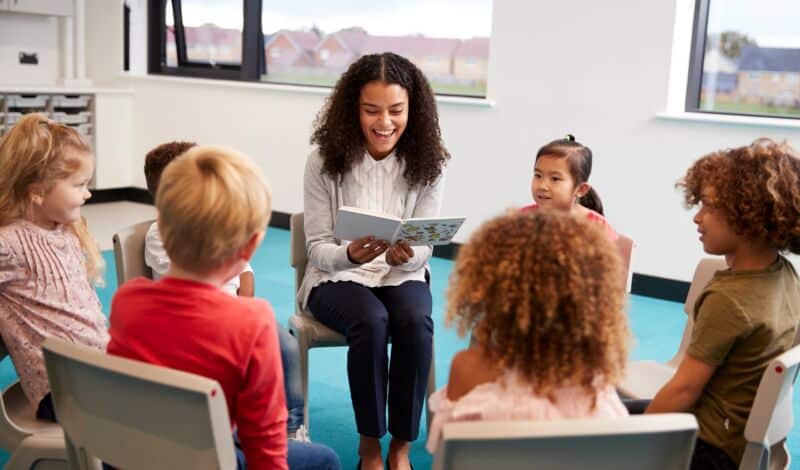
{"x": 378, "y": 17}
{"x": 773, "y": 23}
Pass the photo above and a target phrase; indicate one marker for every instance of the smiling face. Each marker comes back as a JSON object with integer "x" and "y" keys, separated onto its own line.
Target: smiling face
{"x": 61, "y": 204}
{"x": 383, "y": 114}
{"x": 553, "y": 185}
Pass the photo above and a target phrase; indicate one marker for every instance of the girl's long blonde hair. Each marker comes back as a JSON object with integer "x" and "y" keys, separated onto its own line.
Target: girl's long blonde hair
{"x": 36, "y": 153}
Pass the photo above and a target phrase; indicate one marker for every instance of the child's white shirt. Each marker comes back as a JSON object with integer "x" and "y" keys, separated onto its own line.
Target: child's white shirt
{"x": 155, "y": 256}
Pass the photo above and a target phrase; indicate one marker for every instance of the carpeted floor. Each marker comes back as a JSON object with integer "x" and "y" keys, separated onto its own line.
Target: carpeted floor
{"x": 657, "y": 327}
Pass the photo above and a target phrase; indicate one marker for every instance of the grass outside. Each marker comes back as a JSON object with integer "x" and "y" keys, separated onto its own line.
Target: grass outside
{"x": 328, "y": 80}
{"x": 748, "y": 108}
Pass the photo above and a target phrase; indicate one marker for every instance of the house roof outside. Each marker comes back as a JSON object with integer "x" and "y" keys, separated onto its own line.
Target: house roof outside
{"x": 769, "y": 59}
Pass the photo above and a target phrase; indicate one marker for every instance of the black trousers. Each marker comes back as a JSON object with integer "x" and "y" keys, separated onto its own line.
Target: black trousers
{"x": 368, "y": 317}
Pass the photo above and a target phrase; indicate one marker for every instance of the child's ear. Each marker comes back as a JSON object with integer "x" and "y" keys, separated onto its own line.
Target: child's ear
{"x": 36, "y": 194}
{"x": 252, "y": 244}
{"x": 583, "y": 188}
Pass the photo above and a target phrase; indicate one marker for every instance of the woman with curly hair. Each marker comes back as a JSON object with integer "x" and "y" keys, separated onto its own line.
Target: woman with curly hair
{"x": 541, "y": 292}
{"x": 749, "y": 200}
{"x": 379, "y": 148}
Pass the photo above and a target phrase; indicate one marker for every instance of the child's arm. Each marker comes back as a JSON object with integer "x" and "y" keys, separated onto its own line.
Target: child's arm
{"x": 247, "y": 284}
{"x": 261, "y": 404}
{"x": 155, "y": 256}
{"x": 684, "y": 388}
{"x": 718, "y": 324}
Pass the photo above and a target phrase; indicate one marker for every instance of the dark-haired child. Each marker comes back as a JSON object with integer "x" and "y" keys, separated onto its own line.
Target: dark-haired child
{"x": 561, "y": 181}
{"x": 749, "y": 199}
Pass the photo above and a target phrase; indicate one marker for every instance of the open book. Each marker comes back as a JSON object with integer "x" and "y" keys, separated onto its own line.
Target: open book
{"x": 353, "y": 223}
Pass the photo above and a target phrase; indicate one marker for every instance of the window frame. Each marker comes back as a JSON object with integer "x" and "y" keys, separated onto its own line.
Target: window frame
{"x": 252, "y": 64}
{"x": 696, "y": 62}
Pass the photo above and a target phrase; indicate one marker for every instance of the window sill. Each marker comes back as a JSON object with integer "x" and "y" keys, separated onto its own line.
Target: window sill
{"x": 312, "y": 90}
{"x": 750, "y": 121}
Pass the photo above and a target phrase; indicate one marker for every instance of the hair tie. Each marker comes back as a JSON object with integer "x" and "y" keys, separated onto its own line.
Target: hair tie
{"x": 570, "y": 138}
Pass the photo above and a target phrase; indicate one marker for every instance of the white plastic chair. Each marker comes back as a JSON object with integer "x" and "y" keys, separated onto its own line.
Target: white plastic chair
{"x": 771, "y": 416}
{"x": 625, "y": 245}
{"x": 654, "y": 442}
{"x": 645, "y": 378}
{"x": 134, "y": 415}
{"x": 309, "y": 332}
{"x": 32, "y": 443}
{"x": 129, "y": 252}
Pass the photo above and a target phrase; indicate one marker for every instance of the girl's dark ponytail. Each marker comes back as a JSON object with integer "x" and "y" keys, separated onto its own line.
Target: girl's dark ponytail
{"x": 591, "y": 200}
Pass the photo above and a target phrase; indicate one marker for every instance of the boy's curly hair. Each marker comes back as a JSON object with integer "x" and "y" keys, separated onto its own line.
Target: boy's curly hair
{"x": 157, "y": 159}
{"x": 757, "y": 187}
{"x": 337, "y": 129}
{"x": 542, "y": 294}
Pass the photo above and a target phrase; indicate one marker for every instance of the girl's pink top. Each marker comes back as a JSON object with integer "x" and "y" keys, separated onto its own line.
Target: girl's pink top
{"x": 510, "y": 398}
{"x": 44, "y": 291}
{"x": 591, "y": 215}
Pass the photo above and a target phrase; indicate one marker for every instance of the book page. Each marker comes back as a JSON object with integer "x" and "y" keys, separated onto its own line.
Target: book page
{"x": 430, "y": 231}
{"x": 353, "y": 223}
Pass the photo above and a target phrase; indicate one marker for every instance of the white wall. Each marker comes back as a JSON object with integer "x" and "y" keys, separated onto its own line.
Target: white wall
{"x": 29, "y": 33}
{"x": 598, "y": 70}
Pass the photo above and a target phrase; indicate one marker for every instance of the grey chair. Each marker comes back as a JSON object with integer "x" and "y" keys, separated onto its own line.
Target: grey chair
{"x": 771, "y": 416}
{"x": 654, "y": 442}
{"x": 309, "y": 332}
{"x": 643, "y": 379}
{"x": 134, "y": 415}
{"x": 31, "y": 443}
{"x": 129, "y": 252}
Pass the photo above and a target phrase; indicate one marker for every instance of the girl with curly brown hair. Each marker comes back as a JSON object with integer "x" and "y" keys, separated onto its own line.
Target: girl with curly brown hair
{"x": 541, "y": 293}
{"x": 561, "y": 181}
{"x": 378, "y": 148}
{"x": 749, "y": 200}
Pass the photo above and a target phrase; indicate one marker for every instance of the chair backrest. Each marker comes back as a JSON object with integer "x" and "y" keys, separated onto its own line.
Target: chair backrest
{"x": 299, "y": 252}
{"x": 702, "y": 276}
{"x": 135, "y": 415}
{"x": 129, "y": 252}
{"x": 771, "y": 416}
{"x": 661, "y": 441}
{"x": 625, "y": 246}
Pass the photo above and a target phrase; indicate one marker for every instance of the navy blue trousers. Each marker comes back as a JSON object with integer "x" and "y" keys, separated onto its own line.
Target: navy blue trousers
{"x": 368, "y": 317}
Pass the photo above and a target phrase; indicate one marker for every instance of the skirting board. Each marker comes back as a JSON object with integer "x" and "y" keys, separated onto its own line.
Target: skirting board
{"x": 643, "y": 284}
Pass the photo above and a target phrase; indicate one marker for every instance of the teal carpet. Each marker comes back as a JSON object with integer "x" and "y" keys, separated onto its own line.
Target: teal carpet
{"x": 657, "y": 326}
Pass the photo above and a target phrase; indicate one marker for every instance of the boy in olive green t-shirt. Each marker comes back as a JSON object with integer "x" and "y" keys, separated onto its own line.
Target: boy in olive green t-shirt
{"x": 749, "y": 313}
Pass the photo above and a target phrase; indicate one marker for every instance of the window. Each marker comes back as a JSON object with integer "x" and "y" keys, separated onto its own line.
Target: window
{"x": 311, "y": 42}
{"x": 742, "y": 63}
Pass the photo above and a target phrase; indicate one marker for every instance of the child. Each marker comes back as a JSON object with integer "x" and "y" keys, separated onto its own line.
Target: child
{"x": 243, "y": 285}
{"x": 380, "y": 149}
{"x": 541, "y": 293}
{"x": 214, "y": 202}
{"x": 560, "y": 181}
{"x": 154, "y": 255}
{"x": 48, "y": 261}
{"x": 749, "y": 200}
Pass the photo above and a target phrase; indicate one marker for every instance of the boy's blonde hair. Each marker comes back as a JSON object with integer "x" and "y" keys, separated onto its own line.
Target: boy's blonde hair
{"x": 210, "y": 201}
{"x": 542, "y": 293}
{"x": 34, "y": 154}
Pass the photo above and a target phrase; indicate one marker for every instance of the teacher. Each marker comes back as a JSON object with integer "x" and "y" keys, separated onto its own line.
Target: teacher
{"x": 379, "y": 148}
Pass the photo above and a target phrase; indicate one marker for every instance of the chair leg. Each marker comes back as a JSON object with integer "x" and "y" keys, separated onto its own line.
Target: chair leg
{"x": 755, "y": 457}
{"x": 431, "y": 387}
{"x": 302, "y": 343}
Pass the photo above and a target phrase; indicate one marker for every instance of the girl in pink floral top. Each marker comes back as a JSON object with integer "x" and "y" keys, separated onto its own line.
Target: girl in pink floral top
{"x": 541, "y": 292}
{"x": 47, "y": 258}
{"x": 561, "y": 181}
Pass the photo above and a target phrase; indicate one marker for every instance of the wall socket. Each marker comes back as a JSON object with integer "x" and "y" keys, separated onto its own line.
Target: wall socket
{"x": 30, "y": 59}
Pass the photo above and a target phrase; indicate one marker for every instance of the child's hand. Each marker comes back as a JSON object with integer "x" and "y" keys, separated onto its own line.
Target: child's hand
{"x": 399, "y": 253}
{"x": 365, "y": 249}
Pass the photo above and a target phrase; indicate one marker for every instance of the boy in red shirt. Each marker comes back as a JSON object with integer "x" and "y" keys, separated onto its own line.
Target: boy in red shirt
{"x": 213, "y": 209}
